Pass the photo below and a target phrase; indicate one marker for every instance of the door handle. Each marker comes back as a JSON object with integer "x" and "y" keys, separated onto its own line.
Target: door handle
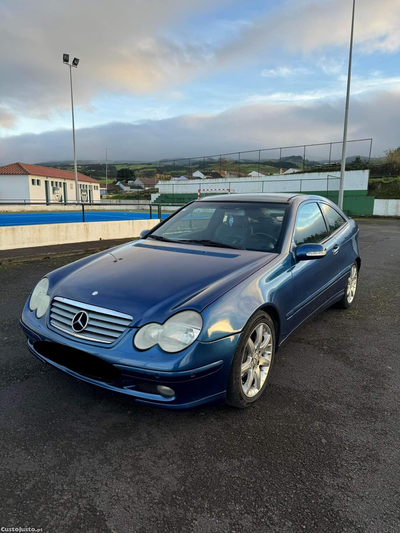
{"x": 336, "y": 248}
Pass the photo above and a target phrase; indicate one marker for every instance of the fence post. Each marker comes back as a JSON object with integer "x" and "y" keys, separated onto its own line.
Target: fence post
{"x": 370, "y": 150}
{"x": 150, "y": 211}
{"x": 83, "y": 212}
{"x": 159, "y": 211}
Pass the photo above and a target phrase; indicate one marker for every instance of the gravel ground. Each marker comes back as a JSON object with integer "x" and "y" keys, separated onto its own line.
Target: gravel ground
{"x": 318, "y": 453}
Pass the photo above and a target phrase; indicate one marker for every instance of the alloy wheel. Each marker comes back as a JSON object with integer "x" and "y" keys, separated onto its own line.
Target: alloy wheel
{"x": 352, "y": 284}
{"x": 256, "y": 362}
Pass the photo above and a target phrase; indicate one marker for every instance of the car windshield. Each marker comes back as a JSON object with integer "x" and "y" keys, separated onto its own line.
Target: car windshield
{"x": 255, "y": 226}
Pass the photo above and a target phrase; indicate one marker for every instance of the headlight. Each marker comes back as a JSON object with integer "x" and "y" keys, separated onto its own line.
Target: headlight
{"x": 178, "y": 332}
{"x": 40, "y": 300}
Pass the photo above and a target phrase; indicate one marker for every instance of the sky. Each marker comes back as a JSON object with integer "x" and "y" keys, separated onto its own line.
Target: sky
{"x": 171, "y": 78}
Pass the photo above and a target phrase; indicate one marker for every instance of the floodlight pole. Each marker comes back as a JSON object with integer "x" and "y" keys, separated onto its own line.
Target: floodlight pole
{"x": 106, "y": 171}
{"x": 346, "y": 116}
{"x": 73, "y": 137}
{"x": 74, "y": 64}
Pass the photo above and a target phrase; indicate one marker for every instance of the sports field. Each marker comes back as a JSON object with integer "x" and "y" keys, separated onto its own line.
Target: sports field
{"x": 28, "y": 219}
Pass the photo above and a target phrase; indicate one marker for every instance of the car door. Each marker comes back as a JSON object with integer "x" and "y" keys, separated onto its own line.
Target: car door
{"x": 312, "y": 279}
{"x": 341, "y": 242}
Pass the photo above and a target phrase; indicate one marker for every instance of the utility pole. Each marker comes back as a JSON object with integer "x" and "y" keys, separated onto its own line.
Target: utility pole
{"x": 346, "y": 115}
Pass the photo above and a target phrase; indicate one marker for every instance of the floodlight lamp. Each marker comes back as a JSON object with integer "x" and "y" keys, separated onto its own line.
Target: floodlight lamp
{"x": 66, "y": 58}
{"x": 75, "y": 62}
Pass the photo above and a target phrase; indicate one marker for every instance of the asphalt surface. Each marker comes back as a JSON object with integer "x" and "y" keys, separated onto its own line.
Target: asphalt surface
{"x": 319, "y": 452}
{"x": 39, "y": 253}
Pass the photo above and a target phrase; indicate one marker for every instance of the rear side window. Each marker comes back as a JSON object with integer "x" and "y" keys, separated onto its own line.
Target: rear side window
{"x": 310, "y": 225}
{"x": 332, "y": 216}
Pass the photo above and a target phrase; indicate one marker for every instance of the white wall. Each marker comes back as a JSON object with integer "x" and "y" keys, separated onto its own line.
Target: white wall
{"x": 13, "y": 237}
{"x": 14, "y": 187}
{"x": 387, "y": 208}
{"x": 37, "y": 193}
{"x": 299, "y": 182}
{"x": 70, "y": 187}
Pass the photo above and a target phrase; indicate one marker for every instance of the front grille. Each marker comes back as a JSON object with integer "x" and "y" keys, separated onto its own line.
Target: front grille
{"x": 104, "y": 325}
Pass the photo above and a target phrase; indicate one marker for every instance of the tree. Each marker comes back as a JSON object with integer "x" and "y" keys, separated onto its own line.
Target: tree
{"x": 125, "y": 174}
{"x": 392, "y": 162}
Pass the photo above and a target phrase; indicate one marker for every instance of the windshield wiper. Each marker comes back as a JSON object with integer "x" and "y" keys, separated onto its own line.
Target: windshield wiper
{"x": 160, "y": 238}
{"x": 206, "y": 242}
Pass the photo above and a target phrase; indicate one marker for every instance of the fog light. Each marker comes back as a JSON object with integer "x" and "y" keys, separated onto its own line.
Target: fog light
{"x": 165, "y": 391}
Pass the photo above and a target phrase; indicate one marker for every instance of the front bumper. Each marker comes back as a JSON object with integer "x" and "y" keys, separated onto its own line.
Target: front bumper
{"x": 122, "y": 368}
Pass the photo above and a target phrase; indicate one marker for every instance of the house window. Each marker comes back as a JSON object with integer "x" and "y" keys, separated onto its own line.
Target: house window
{"x": 33, "y": 182}
{"x": 52, "y": 183}
{"x": 70, "y": 185}
{"x": 37, "y": 182}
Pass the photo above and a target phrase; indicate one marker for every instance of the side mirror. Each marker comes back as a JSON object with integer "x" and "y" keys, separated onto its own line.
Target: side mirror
{"x": 305, "y": 252}
{"x": 144, "y": 233}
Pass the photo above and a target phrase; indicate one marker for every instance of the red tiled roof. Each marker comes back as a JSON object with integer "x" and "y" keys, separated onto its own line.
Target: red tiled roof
{"x": 45, "y": 172}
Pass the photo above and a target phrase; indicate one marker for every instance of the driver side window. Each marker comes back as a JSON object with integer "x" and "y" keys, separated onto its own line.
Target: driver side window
{"x": 310, "y": 225}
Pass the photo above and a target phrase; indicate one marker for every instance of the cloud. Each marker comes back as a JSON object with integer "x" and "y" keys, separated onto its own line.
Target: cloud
{"x": 313, "y": 26}
{"x": 284, "y": 72}
{"x": 330, "y": 66}
{"x": 138, "y": 47}
{"x": 7, "y": 119}
{"x": 336, "y": 90}
{"x": 248, "y": 127}
{"x": 122, "y": 45}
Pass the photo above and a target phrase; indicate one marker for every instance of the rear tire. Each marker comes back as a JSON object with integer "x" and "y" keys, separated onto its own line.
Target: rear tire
{"x": 252, "y": 361}
{"x": 351, "y": 288}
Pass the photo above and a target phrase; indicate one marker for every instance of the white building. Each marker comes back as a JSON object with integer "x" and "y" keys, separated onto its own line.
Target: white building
{"x": 34, "y": 183}
{"x": 292, "y": 171}
{"x": 255, "y": 174}
{"x": 198, "y": 174}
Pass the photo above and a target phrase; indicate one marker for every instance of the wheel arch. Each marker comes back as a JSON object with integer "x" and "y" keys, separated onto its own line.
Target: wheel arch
{"x": 273, "y": 313}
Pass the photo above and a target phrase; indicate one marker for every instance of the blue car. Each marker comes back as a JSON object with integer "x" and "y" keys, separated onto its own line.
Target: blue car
{"x": 195, "y": 311}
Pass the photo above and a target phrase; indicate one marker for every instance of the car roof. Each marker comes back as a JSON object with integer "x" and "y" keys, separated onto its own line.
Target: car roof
{"x": 283, "y": 198}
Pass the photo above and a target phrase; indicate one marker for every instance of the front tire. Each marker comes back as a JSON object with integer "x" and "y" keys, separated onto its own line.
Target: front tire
{"x": 252, "y": 361}
{"x": 351, "y": 288}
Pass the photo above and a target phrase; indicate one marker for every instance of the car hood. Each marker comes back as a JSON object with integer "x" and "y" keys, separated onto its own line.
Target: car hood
{"x": 151, "y": 281}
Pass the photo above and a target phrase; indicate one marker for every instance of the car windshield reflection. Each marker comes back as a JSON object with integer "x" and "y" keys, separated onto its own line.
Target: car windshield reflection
{"x": 255, "y": 226}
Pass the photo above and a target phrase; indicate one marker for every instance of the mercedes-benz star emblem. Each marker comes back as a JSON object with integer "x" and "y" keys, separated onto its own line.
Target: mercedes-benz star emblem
{"x": 80, "y": 321}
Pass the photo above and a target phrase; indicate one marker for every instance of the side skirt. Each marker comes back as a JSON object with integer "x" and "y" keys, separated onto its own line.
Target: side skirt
{"x": 335, "y": 298}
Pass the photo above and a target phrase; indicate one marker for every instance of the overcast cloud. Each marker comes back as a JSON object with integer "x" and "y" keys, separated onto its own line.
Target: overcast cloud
{"x": 255, "y": 126}
{"x": 200, "y": 63}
